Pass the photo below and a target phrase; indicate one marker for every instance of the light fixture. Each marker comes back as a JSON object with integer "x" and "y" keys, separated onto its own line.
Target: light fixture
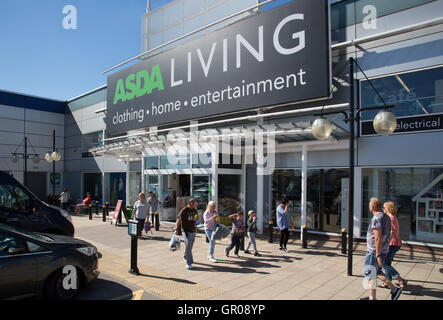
{"x": 385, "y": 123}
{"x": 36, "y": 159}
{"x": 14, "y": 158}
{"x": 48, "y": 157}
{"x": 56, "y": 156}
{"x": 321, "y": 128}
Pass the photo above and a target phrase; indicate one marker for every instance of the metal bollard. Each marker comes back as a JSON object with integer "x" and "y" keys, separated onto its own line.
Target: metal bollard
{"x": 107, "y": 208}
{"x": 96, "y": 207}
{"x": 133, "y": 232}
{"x": 304, "y": 236}
{"x": 104, "y": 213}
{"x": 90, "y": 212}
{"x": 242, "y": 242}
{"x": 271, "y": 231}
{"x": 157, "y": 221}
{"x": 343, "y": 240}
{"x": 207, "y": 239}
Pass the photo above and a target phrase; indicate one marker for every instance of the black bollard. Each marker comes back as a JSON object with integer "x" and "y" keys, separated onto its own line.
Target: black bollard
{"x": 343, "y": 241}
{"x": 90, "y": 212}
{"x": 242, "y": 242}
{"x": 304, "y": 237}
{"x": 271, "y": 231}
{"x": 157, "y": 221}
{"x": 207, "y": 239}
{"x": 107, "y": 208}
{"x": 104, "y": 213}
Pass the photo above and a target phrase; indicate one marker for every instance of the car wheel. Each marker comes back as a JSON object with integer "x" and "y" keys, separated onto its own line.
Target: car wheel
{"x": 55, "y": 290}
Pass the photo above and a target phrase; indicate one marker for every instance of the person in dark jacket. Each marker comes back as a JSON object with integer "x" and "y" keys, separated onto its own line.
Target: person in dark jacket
{"x": 186, "y": 225}
{"x": 252, "y": 229}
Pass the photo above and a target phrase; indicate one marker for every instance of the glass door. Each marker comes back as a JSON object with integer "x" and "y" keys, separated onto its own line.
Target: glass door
{"x": 201, "y": 190}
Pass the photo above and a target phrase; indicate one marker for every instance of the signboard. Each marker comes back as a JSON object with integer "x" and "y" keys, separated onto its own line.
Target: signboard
{"x": 277, "y": 57}
{"x": 409, "y": 124}
{"x": 117, "y": 211}
{"x": 57, "y": 178}
{"x": 132, "y": 227}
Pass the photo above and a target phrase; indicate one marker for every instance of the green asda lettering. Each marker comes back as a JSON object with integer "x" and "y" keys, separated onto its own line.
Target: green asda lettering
{"x": 139, "y": 84}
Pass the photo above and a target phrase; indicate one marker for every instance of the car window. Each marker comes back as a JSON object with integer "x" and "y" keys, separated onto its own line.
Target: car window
{"x": 7, "y": 242}
{"x": 33, "y": 247}
{"x": 13, "y": 198}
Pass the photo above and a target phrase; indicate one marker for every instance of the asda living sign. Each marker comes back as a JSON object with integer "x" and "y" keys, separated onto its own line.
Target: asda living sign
{"x": 276, "y": 57}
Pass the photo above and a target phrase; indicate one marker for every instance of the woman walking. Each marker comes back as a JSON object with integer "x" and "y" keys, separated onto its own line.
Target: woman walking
{"x": 210, "y": 216}
{"x": 394, "y": 245}
{"x": 252, "y": 229}
{"x": 141, "y": 213}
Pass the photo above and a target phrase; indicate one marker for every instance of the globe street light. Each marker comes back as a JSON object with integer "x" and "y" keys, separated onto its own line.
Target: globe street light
{"x": 321, "y": 128}
{"x": 48, "y": 157}
{"x": 56, "y": 156}
{"x": 385, "y": 123}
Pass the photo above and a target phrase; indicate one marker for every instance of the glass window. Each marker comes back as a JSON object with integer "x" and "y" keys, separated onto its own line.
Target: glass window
{"x": 413, "y": 93}
{"x": 8, "y": 242}
{"x": 327, "y": 197}
{"x": 135, "y": 179}
{"x": 92, "y": 182}
{"x": 14, "y": 198}
{"x": 89, "y": 141}
{"x": 152, "y": 184}
{"x": 418, "y": 194}
{"x": 33, "y": 247}
{"x": 201, "y": 190}
{"x": 202, "y": 160}
{"x": 151, "y": 163}
{"x": 286, "y": 184}
{"x": 117, "y": 188}
{"x": 229, "y": 196}
{"x": 179, "y": 161}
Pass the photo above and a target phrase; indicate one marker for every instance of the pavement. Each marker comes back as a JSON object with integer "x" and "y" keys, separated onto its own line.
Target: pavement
{"x": 318, "y": 272}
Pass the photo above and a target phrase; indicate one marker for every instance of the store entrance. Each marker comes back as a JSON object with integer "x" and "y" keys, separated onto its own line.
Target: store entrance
{"x": 176, "y": 191}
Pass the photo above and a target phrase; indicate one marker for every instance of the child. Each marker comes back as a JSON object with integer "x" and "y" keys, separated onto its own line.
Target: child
{"x": 252, "y": 229}
{"x": 236, "y": 232}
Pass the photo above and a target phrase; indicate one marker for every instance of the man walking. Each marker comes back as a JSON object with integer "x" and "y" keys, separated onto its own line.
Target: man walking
{"x": 186, "y": 225}
{"x": 64, "y": 198}
{"x": 378, "y": 238}
{"x": 154, "y": 207}
{"x": 283, "y": 224}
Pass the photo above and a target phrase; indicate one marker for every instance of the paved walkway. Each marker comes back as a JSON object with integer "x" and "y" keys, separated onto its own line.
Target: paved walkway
{"x": 315, "y": 273}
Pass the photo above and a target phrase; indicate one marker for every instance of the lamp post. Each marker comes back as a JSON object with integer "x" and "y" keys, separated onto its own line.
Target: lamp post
{"x": 25, "y": 155}
{"x": 384, "y": 124}
{"x": 53, "y": 156}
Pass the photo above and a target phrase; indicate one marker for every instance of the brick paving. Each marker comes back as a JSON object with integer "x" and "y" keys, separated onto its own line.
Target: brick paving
{"x": 318, "y": 272}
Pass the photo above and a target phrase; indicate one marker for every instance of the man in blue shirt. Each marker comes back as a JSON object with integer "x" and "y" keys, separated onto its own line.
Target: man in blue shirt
{"x": 283, "y": 224}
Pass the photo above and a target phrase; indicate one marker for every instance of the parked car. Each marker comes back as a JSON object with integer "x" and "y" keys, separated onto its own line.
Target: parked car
{"x": 19, "y": 207}
{"x": 33, "y": 264}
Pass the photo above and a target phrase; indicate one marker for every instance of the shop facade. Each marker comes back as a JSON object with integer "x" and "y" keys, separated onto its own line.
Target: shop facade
{"x": 404, "y": 66}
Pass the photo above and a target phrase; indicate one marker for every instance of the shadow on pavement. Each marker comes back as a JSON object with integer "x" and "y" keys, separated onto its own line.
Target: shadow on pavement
{"x": 418, "y": 290}
{"x": 167, "y": 278}
{"x": 101, "y": 289}
{"x": 219, "y": 268}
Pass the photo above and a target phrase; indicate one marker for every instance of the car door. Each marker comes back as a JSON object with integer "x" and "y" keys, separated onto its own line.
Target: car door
{"x": 18, "y": 271}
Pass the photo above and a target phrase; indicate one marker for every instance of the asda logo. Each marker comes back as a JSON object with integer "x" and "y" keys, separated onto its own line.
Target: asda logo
{"x": 138, "y": 84}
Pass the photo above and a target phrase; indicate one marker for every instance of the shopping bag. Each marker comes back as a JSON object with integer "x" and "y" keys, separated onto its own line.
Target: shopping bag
{"x": 174, "y": 243}
{"x": 221, "y": 232}
{"x": 147, "y": 226}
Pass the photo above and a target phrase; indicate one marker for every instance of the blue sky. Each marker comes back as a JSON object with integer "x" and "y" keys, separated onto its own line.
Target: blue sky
{"x": 39, "y": 57}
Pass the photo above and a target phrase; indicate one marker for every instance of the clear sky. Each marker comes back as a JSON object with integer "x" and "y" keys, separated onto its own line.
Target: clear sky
{"x": 38, "y": 56}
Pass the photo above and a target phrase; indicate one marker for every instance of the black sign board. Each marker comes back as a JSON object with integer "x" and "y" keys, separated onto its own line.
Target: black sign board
{"x": 410, "y": 124}
{"x": 276, "y": 57}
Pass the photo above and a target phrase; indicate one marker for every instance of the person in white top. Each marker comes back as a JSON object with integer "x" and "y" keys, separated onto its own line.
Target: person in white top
{"x": 64, "y": 198}
{"x": 210, "y": 217}
{"x": 141, "y": 213}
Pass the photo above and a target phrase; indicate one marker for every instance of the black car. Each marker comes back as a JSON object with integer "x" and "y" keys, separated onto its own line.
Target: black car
{"x": 19, "y": 207}
{"x": 44, "y": 265}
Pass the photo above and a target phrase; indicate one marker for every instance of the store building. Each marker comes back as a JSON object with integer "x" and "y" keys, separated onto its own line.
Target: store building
{"x": 398, "y": 45}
